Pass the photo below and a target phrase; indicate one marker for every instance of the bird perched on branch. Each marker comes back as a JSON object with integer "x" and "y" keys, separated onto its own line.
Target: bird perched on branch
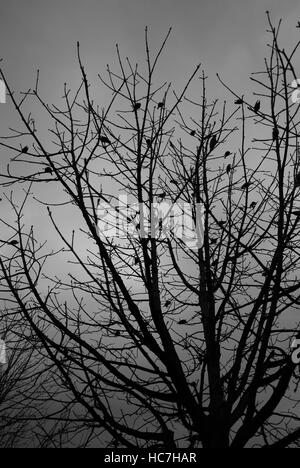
{"x": 227, "y": 154}
{"x": 25, "y": 150}
{"x": 182, "y": 322}
{"x": 298, "y": 25}
{"x": 275, "y": 133}
{"x": 246, "y": 185}
{"x": 239, "y": 102}
{"x": 168, "y": 303}
{"x": 256, "y": 107}
{"x": 13, "y": 242}
{"x": 104, "y": 140}
{"x": 160, "y": 105}
{"x": 137, "y": 106}
{"x": 48, "y": 170}
{"x": 228, "y": 169}
{"x": 213, "y": 142}
{"x": 193, "y": 132}
{"x": 253, "y": 205}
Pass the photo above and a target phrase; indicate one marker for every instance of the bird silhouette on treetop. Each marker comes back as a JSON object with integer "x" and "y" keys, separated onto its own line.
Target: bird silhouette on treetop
{"x": 137, "y": 106}
{"x": 213, "y": 142}
{"x": 257, "y": 107}
{"x": 104, "y": 140}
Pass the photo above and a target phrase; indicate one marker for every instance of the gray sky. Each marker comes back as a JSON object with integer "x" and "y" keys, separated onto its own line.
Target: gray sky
{"x": 225, "y": 36}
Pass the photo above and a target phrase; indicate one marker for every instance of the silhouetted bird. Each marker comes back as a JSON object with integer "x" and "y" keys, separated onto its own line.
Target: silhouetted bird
{"x": 253, "y": 205}
{"x": 213, "y": 142}
{"x": 193, "y": 133}
{"x": 172, "y": 181}
{"x": 117, "y": 333}
{"x": 228, "y": 153}
{"x": 298, "y": 24}
{"x": 136, "y": 260}
{"x": 168, "y": 303}
{"x": 137, "y": 106}
{"x": 256, "y": 107}
{"x": 25, "y": 149}
{"x": 275, "y": 133}
{"x": 213, "y": 241}
{"x": 104, "y": 140}
{"x": 297, "y": 180}
{"x": 149, "y": 142}
{"x": 239, "y": 102}
{"x": 228, "y": 169}
{"x": 246, "y": 185}
{"x": 160, "y": 105}
{"x": 162, "y": 195}
{"x": 182, "y": 322}
{"x": 14, "y": 242}
{"x": 48, "y": 170}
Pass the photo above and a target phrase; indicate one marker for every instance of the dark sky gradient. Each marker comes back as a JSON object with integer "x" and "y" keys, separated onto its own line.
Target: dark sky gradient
{"x": 225, "y": 36}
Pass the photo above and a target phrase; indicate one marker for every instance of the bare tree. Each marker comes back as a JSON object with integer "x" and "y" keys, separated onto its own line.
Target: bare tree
{"x": 19, "y": 393}
{"x": 168, "y": 326}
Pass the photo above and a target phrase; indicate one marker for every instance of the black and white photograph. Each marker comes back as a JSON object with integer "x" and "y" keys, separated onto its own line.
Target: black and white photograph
{"x": 150, "y": 227}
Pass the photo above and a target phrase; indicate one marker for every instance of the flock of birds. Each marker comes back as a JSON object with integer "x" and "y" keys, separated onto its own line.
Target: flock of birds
{"x": 105, "y": 141}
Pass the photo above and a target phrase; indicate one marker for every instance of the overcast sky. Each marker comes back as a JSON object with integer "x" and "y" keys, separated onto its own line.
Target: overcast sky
{"x": 225, "y": 36}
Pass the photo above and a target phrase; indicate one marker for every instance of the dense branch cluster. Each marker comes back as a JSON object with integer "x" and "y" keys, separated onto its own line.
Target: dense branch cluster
{"x": 149, "y": 338}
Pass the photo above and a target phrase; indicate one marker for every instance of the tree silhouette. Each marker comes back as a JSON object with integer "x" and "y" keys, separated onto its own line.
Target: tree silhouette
{"x": 19, "y": 392}
{"x": 165, "y": 327}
